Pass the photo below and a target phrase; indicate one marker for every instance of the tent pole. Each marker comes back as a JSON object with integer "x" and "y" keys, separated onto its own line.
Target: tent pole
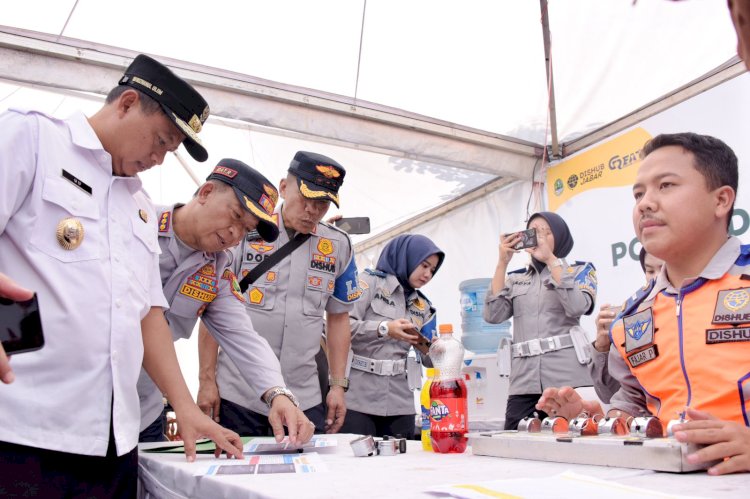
{"x": 550, "y": 80}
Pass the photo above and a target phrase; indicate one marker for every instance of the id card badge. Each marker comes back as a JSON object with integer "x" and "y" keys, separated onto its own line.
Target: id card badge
{"x": 413, "y": 373}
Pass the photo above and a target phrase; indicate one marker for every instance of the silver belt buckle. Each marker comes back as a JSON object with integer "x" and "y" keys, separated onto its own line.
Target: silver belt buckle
{"x": 535, "y": 347}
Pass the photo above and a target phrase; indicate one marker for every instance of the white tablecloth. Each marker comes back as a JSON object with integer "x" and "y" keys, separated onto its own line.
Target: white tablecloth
{"x": 404, "y": 475}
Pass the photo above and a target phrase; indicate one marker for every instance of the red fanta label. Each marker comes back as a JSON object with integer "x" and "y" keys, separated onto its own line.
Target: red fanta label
{"x": 448, "y": 414}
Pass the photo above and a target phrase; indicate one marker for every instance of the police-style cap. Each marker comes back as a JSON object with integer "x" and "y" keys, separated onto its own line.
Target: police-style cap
{"x": 181, "y": 102}
{"x": 318, "y": 176}
{"x": 256, "y": 194}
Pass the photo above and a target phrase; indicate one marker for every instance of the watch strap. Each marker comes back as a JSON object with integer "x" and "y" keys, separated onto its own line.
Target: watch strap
{"x": 342, "y": 382}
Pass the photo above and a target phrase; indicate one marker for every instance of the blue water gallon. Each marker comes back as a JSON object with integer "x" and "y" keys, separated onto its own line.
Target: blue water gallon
{"x": 476, "y": 334}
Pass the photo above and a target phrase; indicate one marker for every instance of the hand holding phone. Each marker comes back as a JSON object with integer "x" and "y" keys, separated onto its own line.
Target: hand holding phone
{"x": 527, "y": 239}
{"x": 20, "y": 325}
{"x": 422, "y": 344}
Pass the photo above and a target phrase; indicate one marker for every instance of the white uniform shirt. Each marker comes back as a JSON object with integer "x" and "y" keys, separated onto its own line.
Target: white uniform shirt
{"x": 91, "y": 298}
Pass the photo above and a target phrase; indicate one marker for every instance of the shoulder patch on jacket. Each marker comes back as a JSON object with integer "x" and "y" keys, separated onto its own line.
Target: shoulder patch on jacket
{"x": 638, "y": 297}
{"x": 586, "y": 278}
{"x": 376, "y": 273}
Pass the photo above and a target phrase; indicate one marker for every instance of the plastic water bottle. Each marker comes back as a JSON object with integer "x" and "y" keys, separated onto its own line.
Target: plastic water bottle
{"x": 448, "y": 405}
{"x": 424, "y": 401}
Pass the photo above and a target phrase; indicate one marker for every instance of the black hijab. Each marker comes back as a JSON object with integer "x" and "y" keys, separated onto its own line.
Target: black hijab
{"x": 561, "y": 233}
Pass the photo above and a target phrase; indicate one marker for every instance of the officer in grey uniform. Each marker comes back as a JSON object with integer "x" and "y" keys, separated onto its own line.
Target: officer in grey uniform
{"x": 546, "y": 301}
{"x": 198, "y": 283}
{"x": 288, "y": 302}
{"x": 384, "y": 323}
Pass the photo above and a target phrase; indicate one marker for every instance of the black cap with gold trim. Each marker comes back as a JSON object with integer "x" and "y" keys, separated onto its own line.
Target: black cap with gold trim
{"x": 180, "y": 101}
{"x": 318, "y": 176}
{"x": 256, "y": 194}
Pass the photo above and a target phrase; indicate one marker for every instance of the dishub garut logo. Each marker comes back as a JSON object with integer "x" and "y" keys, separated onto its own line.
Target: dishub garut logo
{"x": 559, "y": 187}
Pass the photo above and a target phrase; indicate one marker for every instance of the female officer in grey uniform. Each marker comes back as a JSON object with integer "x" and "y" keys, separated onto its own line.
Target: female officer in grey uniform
{"x": 379, "y": 400}
{"x": 546, "y": 300}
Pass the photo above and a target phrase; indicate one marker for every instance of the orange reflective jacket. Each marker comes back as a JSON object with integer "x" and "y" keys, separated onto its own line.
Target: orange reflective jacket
{"x": 692, "y": 348}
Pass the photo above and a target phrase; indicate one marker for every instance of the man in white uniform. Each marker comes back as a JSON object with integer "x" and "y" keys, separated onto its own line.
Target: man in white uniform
{"x": 76, "y": 228}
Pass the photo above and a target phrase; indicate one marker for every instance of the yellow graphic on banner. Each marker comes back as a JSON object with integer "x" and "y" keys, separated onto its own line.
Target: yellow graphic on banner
{"x": 611, "y": 164}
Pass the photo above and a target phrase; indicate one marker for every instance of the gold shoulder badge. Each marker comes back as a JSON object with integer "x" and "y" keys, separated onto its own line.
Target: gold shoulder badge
{"x": 144, "y": 215}
{"x": 363, "y": 284}
{"x": 70, "y": 233}
{"x": 164, "y": 221}
{"x": 325, "y": 246}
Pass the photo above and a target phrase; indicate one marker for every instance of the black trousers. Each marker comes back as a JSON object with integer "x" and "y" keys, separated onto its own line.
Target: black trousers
{"x": 247, "y": 422}
{"x": 520, "y": 406}
{"x": 32, "y": 472}
{"x": 403, "y": 426}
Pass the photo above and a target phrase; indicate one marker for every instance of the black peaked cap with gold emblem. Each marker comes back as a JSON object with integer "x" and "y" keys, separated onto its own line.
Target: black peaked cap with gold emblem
{"x": 255, "y": 193}
{"x": 180, "y": 101}
{"x": 318, "y": 176}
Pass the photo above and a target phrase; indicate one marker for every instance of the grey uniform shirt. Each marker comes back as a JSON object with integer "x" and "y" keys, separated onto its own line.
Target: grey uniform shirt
{"x": 383, "y": 300}
{"x": 541, "y": 308}
{"x": 200, "y": 285}
{"x": 604, "y": 384}
{"x": 287, "y": 305}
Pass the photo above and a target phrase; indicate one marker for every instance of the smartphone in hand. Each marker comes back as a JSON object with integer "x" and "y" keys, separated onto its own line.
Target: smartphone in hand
{"x": 354, "y": 225}
{"x": 423, "y": 344}
{"x": 528, "y": 239}
{"x": 20, "y": 325}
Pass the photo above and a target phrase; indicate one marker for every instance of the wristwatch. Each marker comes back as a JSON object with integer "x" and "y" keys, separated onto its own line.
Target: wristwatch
{"x": 557, "y": 263}
{"x": 383, "y": 329}
{"x": 280, "y": 390}
{"x": 342, "y": 382}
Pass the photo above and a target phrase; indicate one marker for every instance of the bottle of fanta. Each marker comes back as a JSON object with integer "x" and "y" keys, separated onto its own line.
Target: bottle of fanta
{"x": 448, "y": 406}
{"x": 424, "y": 401}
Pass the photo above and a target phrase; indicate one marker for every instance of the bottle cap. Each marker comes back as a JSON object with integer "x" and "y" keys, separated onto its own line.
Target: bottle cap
{"x": 445, "y": 328}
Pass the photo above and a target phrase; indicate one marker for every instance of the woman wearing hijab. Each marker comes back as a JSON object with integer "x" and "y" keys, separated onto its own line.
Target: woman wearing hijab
{"x": 546, "y": 300}
{"x": 384, "y": 325}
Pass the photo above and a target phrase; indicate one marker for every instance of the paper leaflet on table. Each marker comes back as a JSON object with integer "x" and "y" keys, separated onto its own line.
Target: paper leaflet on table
{"x": 309, "y": 462}
{"x": 258, "y": 445}
{"x": 567, "y": 484}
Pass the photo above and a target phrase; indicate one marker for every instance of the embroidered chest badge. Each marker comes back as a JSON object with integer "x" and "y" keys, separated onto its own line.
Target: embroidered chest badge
{"x": 639, "y": 337}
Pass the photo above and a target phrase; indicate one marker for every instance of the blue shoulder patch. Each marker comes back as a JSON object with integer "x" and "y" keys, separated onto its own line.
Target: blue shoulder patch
{"x": 744, "y": 258}
{"x": 376, "y": 273}
{"x": 586, "y": 278}
{"x": 518, "y": 271}
{"x": 347, "y": 284}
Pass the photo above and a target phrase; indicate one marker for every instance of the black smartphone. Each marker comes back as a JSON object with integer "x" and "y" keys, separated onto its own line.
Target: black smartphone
{"x": 354, "y": 225}
{"x": 20, "y": 325}
{"x": 528, "y": 239}
{"x": 423, "y": 344}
